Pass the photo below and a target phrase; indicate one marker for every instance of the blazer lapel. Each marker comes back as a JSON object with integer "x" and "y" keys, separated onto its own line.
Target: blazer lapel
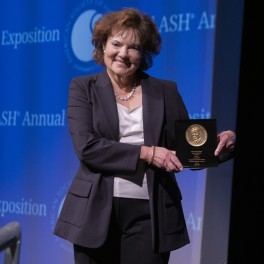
{"x": 153, "y": 107}
{"x": 105, "y": 96}
{"x": 153, "y": 110}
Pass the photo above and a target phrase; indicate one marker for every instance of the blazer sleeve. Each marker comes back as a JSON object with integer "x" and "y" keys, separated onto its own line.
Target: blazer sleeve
{"x": 93, "y": 145}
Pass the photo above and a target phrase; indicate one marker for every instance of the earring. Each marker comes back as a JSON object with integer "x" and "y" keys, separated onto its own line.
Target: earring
{"x": 104, "y": 51}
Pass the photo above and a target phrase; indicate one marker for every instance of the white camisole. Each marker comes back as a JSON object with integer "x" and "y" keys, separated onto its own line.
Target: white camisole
{"x": 130, "y": 131}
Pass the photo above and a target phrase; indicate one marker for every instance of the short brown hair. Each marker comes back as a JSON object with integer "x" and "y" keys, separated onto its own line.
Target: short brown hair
{"x": 126, "y": 18}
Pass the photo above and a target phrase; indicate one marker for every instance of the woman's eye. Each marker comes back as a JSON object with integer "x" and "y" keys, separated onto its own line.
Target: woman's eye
{"x": 136, "y": 48}
{"x": 115, "y": 44}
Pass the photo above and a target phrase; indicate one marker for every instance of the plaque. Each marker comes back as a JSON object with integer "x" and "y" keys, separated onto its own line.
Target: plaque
{"x": 196, "y": 141}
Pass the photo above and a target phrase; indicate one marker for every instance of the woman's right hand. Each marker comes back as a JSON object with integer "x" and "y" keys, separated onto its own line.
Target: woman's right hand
{"x": 161, "y": 158}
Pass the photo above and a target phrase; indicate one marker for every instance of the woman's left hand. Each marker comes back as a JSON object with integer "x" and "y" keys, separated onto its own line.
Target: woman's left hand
{"x": 226, "y": 142}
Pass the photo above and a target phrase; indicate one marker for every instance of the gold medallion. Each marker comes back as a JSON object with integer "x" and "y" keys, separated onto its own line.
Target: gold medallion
{"x": 196, "y": 135}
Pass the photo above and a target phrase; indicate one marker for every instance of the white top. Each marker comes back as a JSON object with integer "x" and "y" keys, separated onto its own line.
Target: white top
{"x": 131, "y": 131}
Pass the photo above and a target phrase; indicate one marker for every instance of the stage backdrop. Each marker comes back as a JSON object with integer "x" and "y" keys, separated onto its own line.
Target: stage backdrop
{"x": 43, "y": 45}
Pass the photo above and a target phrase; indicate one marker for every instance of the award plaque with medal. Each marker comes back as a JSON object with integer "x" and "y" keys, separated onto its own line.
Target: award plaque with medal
{"x": 196, "y": 141}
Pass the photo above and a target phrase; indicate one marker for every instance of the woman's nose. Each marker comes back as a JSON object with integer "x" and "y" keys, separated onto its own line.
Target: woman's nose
{"x": 123, "y": 52}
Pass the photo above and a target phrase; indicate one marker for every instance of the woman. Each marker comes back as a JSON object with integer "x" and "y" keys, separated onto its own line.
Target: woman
{"x": 124, "y": 204}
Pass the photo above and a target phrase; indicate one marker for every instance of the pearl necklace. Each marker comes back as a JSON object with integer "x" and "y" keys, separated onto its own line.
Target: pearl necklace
{"x": 129, "y": 96}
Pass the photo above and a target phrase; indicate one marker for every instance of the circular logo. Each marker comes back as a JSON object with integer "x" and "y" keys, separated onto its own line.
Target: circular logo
{"x": 196, "y": 135}
{"x": 78, "y": 35}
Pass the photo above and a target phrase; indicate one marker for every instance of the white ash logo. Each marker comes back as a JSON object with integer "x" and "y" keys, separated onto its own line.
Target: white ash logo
{"x": 78, "y": 35}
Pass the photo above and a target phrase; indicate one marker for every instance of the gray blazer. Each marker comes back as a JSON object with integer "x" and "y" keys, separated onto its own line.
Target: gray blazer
{"x": 94, "y": 128}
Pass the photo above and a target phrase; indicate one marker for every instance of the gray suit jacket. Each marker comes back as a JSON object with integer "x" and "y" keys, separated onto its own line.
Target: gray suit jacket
{"x": 94, "y": 128}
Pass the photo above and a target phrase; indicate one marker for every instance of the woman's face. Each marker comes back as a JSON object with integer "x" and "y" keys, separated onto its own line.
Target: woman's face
{"x": 122, "y": 53}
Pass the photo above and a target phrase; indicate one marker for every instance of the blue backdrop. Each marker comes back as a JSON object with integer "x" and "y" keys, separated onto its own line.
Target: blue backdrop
{"x": 43, "y": 45}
